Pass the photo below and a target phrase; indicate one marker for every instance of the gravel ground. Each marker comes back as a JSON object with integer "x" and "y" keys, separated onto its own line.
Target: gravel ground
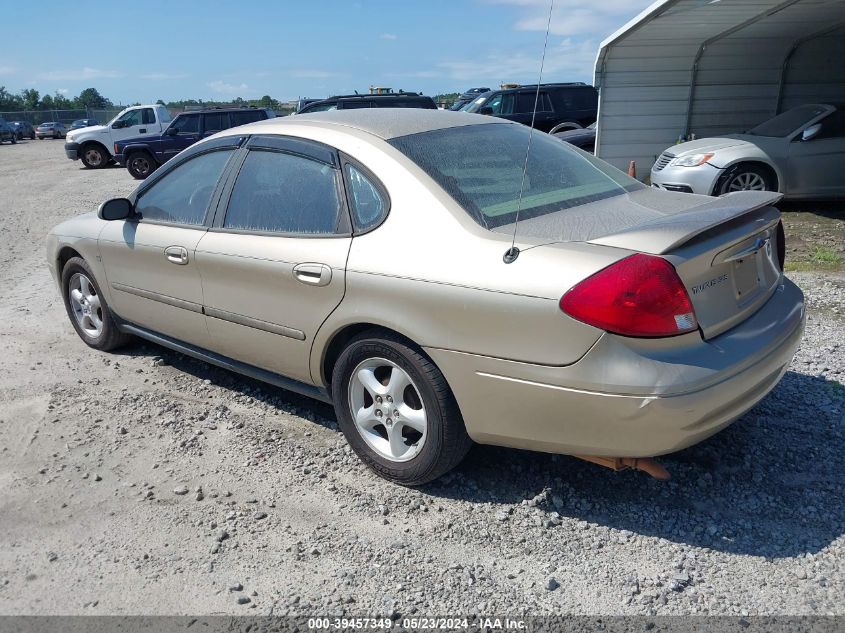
{"x": 144, "y": 482}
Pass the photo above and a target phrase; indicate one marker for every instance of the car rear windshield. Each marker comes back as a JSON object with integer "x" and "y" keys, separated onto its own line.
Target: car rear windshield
{"x": 788, "y": 122}
{"x": 480, "y": 166}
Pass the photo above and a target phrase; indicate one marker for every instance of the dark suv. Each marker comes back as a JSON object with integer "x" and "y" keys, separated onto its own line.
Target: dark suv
{"x": 144, "y": 154}
{"x": 559, "y": 106}
{"x": 23, "y": 128}
{"x": 392, "y": 100}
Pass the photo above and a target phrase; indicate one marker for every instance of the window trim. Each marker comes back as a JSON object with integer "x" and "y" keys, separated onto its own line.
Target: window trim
{"x": 279, "y": 144}
{"x": 345, "y": 160}
{"x": 213, "y": 201}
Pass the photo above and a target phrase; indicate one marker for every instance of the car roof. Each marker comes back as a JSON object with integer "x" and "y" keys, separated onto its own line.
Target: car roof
{"x": 215, "y": 110}
{"x": 386, "y": 123}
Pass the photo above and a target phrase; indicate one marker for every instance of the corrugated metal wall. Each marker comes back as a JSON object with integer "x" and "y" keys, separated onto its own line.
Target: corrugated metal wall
{"x": 713, "y": 68}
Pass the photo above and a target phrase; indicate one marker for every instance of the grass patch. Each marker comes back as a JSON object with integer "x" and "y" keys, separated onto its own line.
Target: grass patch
{"x": 825, "y": 257}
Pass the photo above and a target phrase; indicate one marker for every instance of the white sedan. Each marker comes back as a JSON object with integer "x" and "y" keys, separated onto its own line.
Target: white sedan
{"x": 800, "y": 153}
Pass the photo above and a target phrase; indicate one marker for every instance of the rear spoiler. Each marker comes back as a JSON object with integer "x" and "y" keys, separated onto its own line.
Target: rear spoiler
{"x": 661, "y": 235}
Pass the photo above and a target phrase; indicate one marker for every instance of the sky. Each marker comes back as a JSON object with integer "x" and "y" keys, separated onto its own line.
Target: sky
{"x": 220, "y": 49}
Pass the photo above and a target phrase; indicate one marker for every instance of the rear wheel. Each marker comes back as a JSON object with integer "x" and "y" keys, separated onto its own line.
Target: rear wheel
{"x": 397, "y": 411}
{"x": 87, "y": 308}
{"x": 93, "y": 156}
{"x": 14, "y": 139}
{"x": 140, "y": 165}
{"x": 746, "y": 177}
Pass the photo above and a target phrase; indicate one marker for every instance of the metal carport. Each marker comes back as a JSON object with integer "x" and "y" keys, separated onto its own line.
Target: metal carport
{"x": 709, "y": 67}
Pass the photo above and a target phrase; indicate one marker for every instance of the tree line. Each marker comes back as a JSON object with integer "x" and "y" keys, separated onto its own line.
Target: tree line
{"x": 31, "y": 99}
{"x": 91, "y": 99}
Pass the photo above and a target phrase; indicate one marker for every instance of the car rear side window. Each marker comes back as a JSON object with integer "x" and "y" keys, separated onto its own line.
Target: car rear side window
{"x": 284, "y": 193}
{"x": 525, "y": 102}
{"x": 216, "y": 121}
{"x": 242, "y": 118}
{"x": 368, "y": 205}
{"x": 183, "y": 194}
{"x": 148, "y": 116}
{"x": 187, "y": 124}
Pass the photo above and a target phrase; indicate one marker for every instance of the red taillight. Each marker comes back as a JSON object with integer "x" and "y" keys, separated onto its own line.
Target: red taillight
{"x": 640, "y": 295}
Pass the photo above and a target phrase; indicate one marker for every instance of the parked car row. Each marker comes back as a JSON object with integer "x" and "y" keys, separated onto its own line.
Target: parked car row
{"x": 144, "y": 154}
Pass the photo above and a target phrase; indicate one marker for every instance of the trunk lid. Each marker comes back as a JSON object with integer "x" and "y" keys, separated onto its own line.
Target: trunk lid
{"x": 725, "y": 252}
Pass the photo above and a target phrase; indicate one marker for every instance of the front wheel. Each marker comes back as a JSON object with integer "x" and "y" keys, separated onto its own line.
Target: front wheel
{"x": 87, "y": 308}
{"x": 397, "y": 411}
{"x": 93, "y": 157}
{"x": 140, "y": 165}
{"x": 745, "y": 178}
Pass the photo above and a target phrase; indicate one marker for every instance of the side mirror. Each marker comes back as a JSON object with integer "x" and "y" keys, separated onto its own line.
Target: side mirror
{"x": 811, "y": 132}
{"x": 486, "y": 110}
{"x": 171, "y": 131}
{"x": 115, "y": 209}
{"x": 118, "y": 124}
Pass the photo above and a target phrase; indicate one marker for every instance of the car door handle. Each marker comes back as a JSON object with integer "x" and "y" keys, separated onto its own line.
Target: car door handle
{"x": 143, "y": 130}
{"x": 176, "y": 255}
{"x": 313, "y": 274}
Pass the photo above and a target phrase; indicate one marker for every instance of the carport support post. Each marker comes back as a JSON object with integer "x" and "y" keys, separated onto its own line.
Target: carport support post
{"x": 716, "y": 38}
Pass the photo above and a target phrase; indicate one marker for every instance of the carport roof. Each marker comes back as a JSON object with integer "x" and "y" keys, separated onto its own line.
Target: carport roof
{"x": 713, "y": 66}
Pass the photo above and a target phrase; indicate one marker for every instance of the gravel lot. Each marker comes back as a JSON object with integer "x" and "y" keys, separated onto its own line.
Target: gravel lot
{"x": 146, "y": 482}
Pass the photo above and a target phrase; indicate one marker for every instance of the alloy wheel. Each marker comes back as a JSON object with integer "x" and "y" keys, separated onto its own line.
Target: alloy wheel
{"x": 85, "y": 302}
{"x": 747, "y": 181}
{"x": 387, "y": 409}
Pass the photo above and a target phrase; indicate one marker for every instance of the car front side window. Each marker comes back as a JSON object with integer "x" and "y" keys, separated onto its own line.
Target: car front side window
{"x": 278, "y": 192}
{"x": 183, "y": 194}
{"x": 187, "y": 124}
{"x": 131, "y": 118}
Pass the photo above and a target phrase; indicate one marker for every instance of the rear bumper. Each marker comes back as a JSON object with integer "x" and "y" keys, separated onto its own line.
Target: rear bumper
{"x": 629, "y": 397}
{"x": 72, "y": 150}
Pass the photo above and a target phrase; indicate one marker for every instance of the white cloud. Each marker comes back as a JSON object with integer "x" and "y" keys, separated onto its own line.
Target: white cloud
{"x": 63, "y": 91}
{"x": 7, "y": 70}
{"x": 588, "y": 18}
{"x": 231, "y": 90}
{"x": 566, "y": 61}
{"x": 163, "y": 76}
{"x": 312, "y": 73}
{"x": 388, "y": 36}
{"x": 81, "y": 74}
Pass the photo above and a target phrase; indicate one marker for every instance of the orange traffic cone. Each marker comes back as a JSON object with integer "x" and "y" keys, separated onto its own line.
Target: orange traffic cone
{"x": 632, "y": 169}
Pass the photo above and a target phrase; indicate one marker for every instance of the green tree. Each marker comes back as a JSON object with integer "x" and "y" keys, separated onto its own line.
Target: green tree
{"x": 91, "y": 98}
{"x": 31, "y": 99}
{"x": 9, "y": 102}
{"x": 47, "y": 103}
{"x": 61, "y": 102}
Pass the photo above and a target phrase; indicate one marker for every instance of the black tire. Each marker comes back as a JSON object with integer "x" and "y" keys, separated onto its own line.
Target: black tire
{"x": 14, "y": 139}
{"x": 32, "y": 136}
{"x": 566, "y": 125}
{"x": 446, "y": 441}
{"x": 736, "y": 176}
{"x": 111, "y": 337}
{"x": 93, "y": 156}
{"x": 140, "y": 164}
{"x": 40, "y": 138}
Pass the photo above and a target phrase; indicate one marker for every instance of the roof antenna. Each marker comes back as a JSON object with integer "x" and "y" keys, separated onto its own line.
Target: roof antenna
{"x": 513, "y": 252}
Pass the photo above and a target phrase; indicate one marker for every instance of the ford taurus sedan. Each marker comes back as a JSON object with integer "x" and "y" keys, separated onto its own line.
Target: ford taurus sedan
{"x": 364, "y": 258}
{"x": 800, "y": 153}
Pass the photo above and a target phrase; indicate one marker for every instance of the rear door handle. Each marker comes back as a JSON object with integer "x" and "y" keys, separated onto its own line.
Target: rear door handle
{"x": 176, "y": 255}
{"x": 313, "y": 274}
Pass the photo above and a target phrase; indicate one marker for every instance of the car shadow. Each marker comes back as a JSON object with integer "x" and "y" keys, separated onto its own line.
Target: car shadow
{"x": 830, "y": 209}
{"x": 771, "y": 485}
